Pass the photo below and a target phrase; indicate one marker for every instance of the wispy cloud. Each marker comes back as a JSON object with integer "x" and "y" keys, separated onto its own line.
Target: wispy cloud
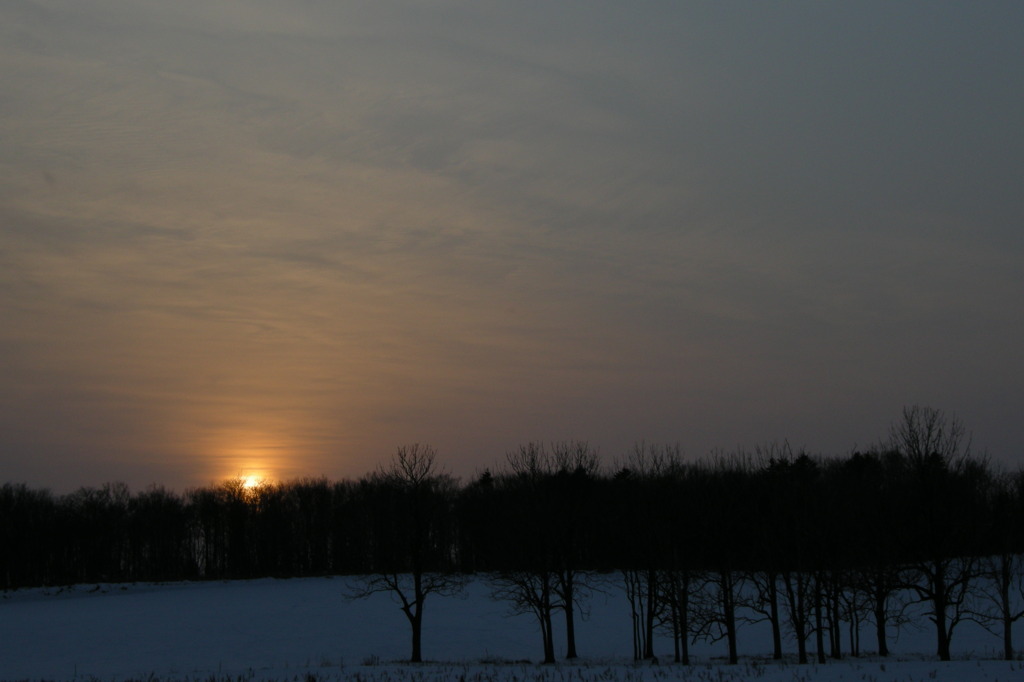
{"x": 304, "y": 233}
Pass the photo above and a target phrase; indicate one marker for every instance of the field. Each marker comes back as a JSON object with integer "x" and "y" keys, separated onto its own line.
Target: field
{"x": 305, "y": 630}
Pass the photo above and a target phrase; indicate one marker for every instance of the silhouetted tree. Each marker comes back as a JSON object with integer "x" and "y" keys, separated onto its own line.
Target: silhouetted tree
{"x": 531, "y": 591}
{"x": 943, "y": 488}
{"x": 158, "y": 536}
{"x": 28, "y": 527}
{"x": 725, "y": 517}
{"x": 680, "y": 577}
{"x": 97, "y": 533}
{"x": 529, "y": 555}
{"x": 870, "y": 493}
{"x": 768, "y": 499}
{"x": 552, "y": 492}
{"x": 571, "y": 470}
{"x": 815, "y": 545}
{"x": 645, "y": 487}
{"x": 413, "y": 506}
{"x": 1002, "y": 567}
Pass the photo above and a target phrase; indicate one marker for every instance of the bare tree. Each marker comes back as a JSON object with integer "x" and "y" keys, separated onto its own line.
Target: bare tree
{"x": 1002, "y": 587}
{"x": 643, "y": 591}
{"x": 879, "y": 585}
{"x": 414, "y": 497}
{"x": 648, "y": 481}
{"x": 763, "y": 602}
{"x": 927, "y": 437}
{"x": 717, "y": 603}
{"x": 1003, "y": 592}
{"x": 942, "y": 491}
{"x": 869, "y": 493}
{"x": 798, "y": 599}
{"x": 531, "y": 591}
{"x": 855, "y": 610}
{"x": 558, "y": 479}
{"x": 678, "y": 588}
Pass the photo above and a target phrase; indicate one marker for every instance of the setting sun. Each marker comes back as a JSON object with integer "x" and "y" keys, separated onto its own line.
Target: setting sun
{"x": 250, "y": 482}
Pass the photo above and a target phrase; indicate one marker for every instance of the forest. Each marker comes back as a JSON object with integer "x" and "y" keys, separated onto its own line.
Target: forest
{"x": 917, "y": 530}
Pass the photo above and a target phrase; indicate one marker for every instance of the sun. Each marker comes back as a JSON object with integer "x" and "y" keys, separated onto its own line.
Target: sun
{"x": 251, "y": 482}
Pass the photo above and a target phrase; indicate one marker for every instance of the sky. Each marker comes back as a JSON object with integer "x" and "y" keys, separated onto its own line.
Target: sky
{"x": 283, "y": 238}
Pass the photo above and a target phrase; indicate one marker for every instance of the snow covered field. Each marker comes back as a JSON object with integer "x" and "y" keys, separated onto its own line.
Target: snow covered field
{"x": 305, "y": 630}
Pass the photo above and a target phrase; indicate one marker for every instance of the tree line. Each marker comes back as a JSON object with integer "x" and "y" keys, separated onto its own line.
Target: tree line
{"x": 818, "y": 549}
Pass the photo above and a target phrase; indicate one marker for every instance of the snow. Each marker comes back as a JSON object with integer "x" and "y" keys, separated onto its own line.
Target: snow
{"x": 306, "y": 629}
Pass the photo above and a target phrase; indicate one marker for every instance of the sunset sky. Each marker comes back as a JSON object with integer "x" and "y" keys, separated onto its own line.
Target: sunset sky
{"x": 283, "y": 237}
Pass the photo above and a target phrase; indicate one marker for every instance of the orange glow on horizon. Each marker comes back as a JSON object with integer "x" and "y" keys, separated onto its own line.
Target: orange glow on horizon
{"x": 251, "y": 457}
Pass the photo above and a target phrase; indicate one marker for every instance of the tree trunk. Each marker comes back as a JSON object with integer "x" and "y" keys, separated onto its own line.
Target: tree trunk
{"x": 773, "y": 606}
{"x": 544, "y": 614}
{"x": 566, "y": 589}
{"x": 548, "y": 635}
{"x": 942, "y": 635}
{"x": 684, "y": 620}
{"x": 794, "y": 596}
{"x": 730, "y": 631}
{"x": 819, "y": 634}
{"x": 416, "y": 617}
{"x": 652, "y": 598}
{"x": 631, "y": 580}
{"x": 1007, "y": 636}
{"x": 729, "y": 614}
{"x": 834, "y": 619}
{"x": 880, "y": 615}
{"x": 1005, "y": 574}
{"x": 570, "y": 628}
{"x": 854, "y": 631}
{"x": 417, "y": 622}
{"x": 637, "y": 635}
{"x": 677, "y": 654}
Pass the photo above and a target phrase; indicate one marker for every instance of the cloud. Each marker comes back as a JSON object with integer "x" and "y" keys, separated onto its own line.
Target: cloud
{"x": 333, "y": 227}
